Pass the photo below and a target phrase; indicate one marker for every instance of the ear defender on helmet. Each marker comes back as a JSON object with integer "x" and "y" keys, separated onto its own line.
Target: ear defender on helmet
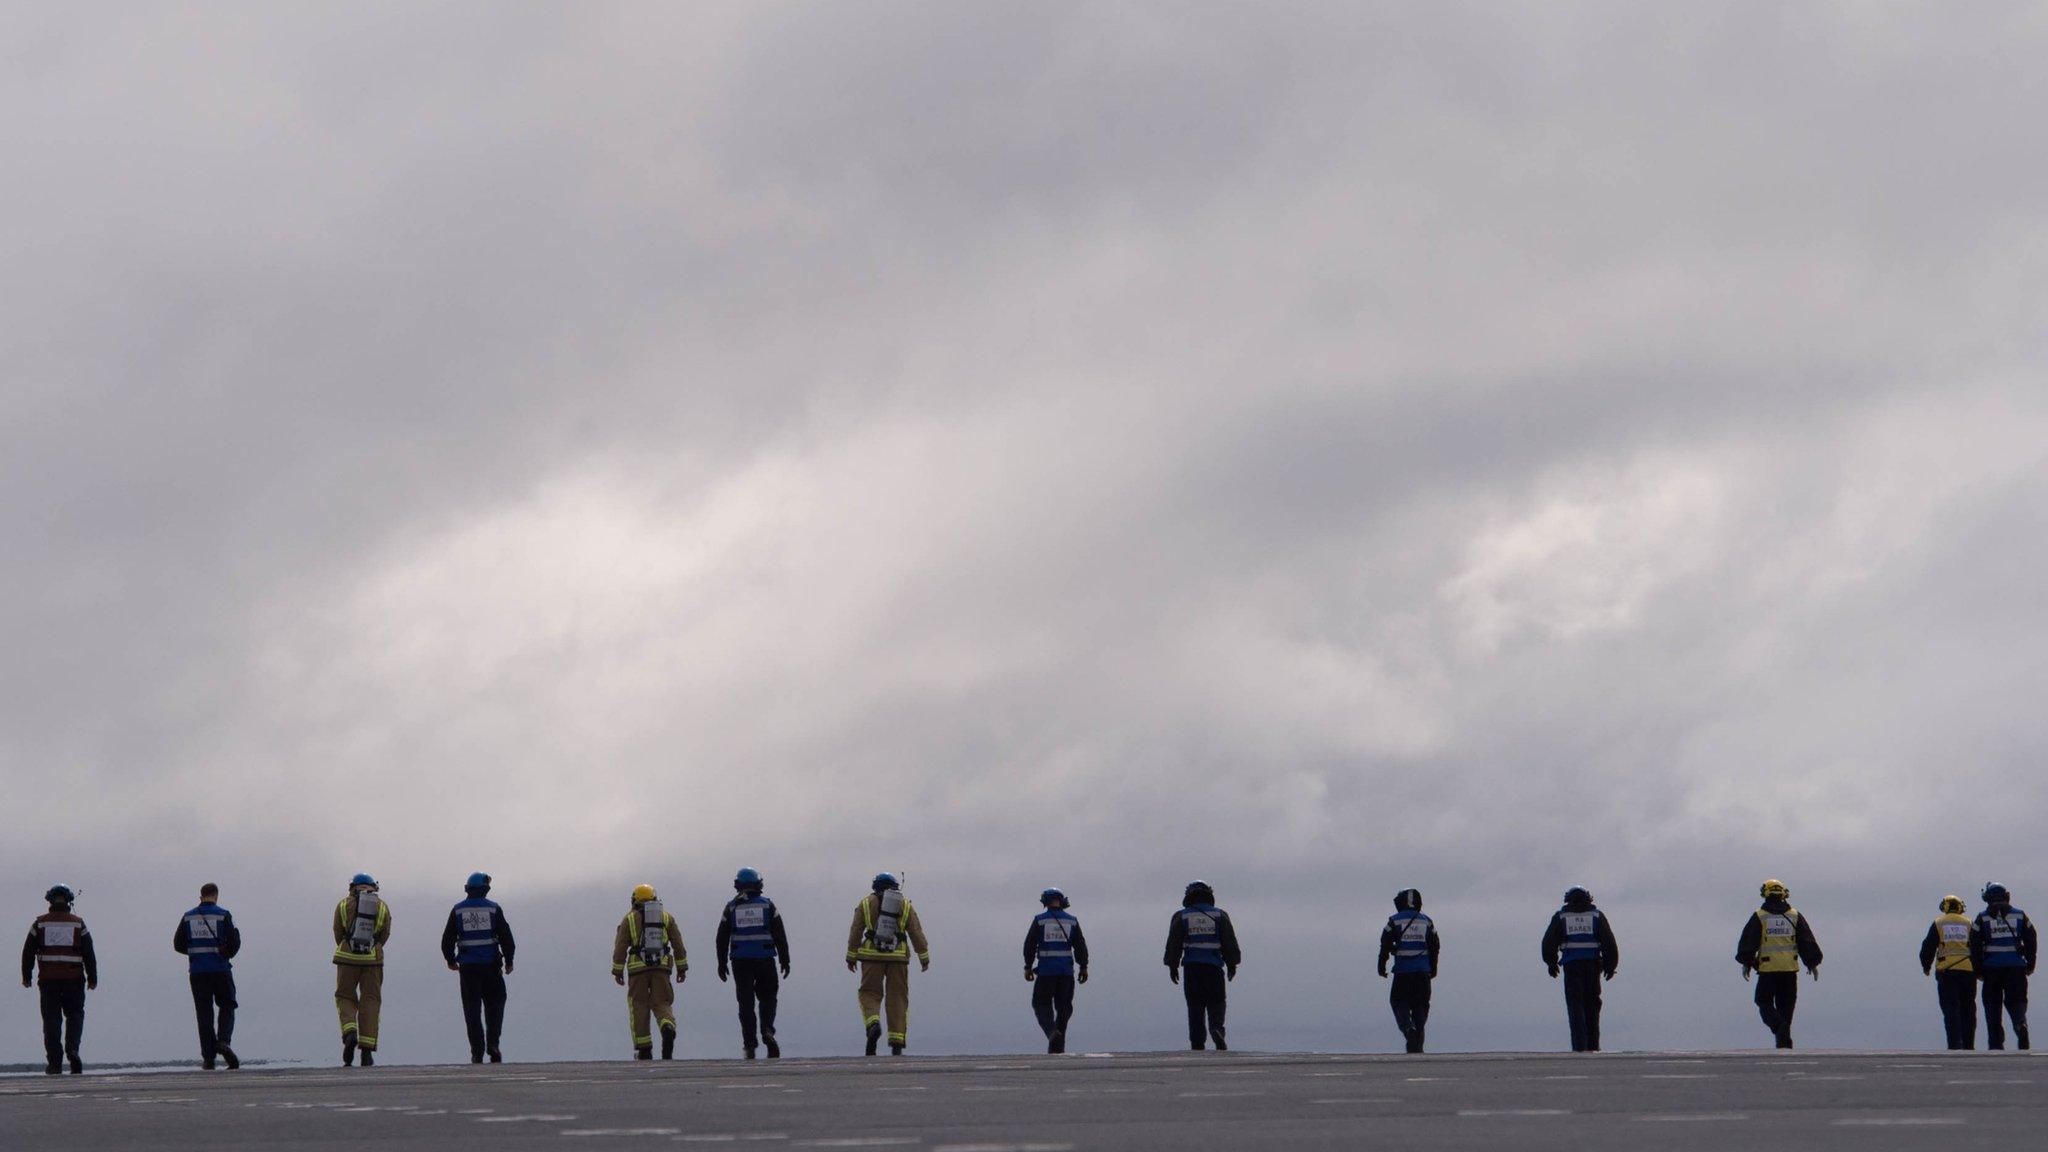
{"x": 1774, "y": 890}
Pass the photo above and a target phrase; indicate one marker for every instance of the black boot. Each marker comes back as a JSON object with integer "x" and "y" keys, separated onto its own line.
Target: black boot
{"x": 895, "y": 1049}
{"x": 1217, "y": 1034}
{"x": 774, "y": 1049}
{"x": 207, "y": 1063}
{"x": 348, "y": 1049}
{"x": 668, "y": 1042}
{"x": 643, "y": 1053}
{"x": 2019, "y": 1032}
{"x": 369, "y": 1056}
{"x": 53, "y": 1068}
{"x": 496, "y": 1056}
{"x": 749, "y": 1054}
{"x": 77, "y": 1065}
{"x": 476, "y": 1057}
{"x": 1059, "y": 1042}
{"x": 874, "y": 1037}
{"x": 227, "y": 1054}
{"x": 1197, "y": 1045}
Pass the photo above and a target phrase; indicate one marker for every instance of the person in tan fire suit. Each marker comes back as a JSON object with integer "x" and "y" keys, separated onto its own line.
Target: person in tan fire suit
{"x": 362, "y": 923}
{"x": 885, "y": 929}
{"x": 645, "y": 950}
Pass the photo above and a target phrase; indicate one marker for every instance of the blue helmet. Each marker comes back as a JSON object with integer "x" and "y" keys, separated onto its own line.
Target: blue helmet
{"x": 363, "y": 880}
{"x": 1995, "y": 893}
{"x": 747, "y": 878}
{"x": 886, "y": 880}
{"x": 60, "y": 894}
{"x": 478, "y": 883}
{"x": 1052, "y": 896}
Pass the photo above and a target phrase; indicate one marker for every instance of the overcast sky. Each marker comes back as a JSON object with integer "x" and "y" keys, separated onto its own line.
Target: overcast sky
{"x": 1321, "y": 449}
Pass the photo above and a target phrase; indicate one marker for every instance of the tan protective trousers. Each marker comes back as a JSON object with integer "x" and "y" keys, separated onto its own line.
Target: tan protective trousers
{"x": 877, "y": 979}
{"x": 359, "y": 1000}
{"x": 650, "y": 992}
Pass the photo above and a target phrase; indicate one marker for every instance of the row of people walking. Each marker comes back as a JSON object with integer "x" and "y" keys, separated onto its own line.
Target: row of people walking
{"x": 1992, "y": 954}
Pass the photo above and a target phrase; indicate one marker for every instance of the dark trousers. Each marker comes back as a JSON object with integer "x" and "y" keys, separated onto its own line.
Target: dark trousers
{"x": 1052, "y": 1001}
{"x": 214, "y": 992}
{"x": 1958, "y": 992}
{"x": 1582, "y": 1003}
{"x": 63, "y": 1018}
{"x": 2005, "y": 991}
{"x": 756, "y": 985}
{"x": 1777, "y": 994}
{"x": 1206, "y": 992}
{"x": 483, "y": 1006}
{"x": 1409, "y": 997}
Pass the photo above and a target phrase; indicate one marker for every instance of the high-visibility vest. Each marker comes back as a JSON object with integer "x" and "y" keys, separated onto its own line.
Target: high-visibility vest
{"x": 1778, "y": 951}
{"x": 1411, "y": 940}
{"x": 1581, "y": 935}
{"x": 1204, "y": 941}
{"x": 363, "y": 915}
{"x": 60, "y": 951}
{"x": 1952, "y": 954}
{"x": 2001, "y": 938}
{"x": 1055, "y": 928}
{"x": 476, "y": 931}
{"x": 203, "y": 939}
{"x": 752, "y": 936}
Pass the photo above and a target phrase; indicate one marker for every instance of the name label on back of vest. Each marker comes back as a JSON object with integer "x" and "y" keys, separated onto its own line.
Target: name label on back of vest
{"x": 60, "y": 935}
{"x": 1779, "y": 926}
{"x": 476, "y": 919}
{"x": 749, "y": 916}
{"x": 1201, "y": 924}
{"x": 1955, "y": 933}
{"x": 1578, "y": 923}
{"x": 1055, "y": 932}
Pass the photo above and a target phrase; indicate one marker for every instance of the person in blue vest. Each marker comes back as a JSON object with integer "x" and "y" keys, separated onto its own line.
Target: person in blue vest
{"x": 1053, "y": 950}
{"x": 751, "y": 942}
{"x": 208, "y": 939}
{"x": 477, "y": 943}
{"x": 1580, "y": 943}
{"x": 1202, "y": 945}
{"x": 2007, "y": 947}
{"x": 1410, "y": 941}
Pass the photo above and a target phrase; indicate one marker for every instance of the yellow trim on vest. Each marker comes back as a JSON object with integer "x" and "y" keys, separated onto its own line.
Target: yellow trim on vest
{"x": 1778, "y": 953}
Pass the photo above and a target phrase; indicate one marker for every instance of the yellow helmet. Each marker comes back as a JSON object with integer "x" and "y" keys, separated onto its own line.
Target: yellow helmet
{"x": 643, "y": 893}
{"x": 1774, "y": 890}
{"x": 1952, "y": 904}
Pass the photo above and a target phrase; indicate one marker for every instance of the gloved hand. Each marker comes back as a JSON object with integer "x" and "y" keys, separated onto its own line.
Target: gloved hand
{"x": 852, "y": 966}
{"x": 1927, "y": 969}
{"x": 682, "y": 974}
{"x": 1553, "y": 971}
{"x": 1383, "y": 973}
{"x": 724, "y": 973}
{"x": 1084, "y": 975}
{"x": 1029, "y": 975}
{"x": 619, "y": 978}
{"x": 27, "y": 982}
{"x": 508, "y": 967}
{"x": 92, "y": 984}
{"x": 1609, "y": 974}
{"x": 1813, "y": 970}
{"x": 924, "y": 964}
{"x": 1172, "y": 974}
{"x": 1230, "y": 972}
{"x": 454, "y": 967}
{"x": 785, "y": 969}
{"x": 1745, "y": 973}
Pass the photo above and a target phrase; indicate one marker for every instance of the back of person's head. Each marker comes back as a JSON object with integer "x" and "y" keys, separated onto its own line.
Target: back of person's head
{"x": 209, "y": 892}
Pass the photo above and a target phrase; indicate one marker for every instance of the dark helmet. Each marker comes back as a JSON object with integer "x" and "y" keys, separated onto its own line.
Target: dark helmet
{"x": 1198, "y": 892}
{"x": 886, "y": 880}
{"x": 747, "y": 880}
{"x": 60, "y": 894}
{"x": 1053, "y": 897}
{"x": 1995, "y": 893}
{"x": 477, "y": 884}
{"x": 1576, "y": 896}
{"x": 1408, "y": 898}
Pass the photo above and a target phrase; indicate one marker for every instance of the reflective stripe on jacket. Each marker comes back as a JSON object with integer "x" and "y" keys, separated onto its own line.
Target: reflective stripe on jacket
{"x": 1952, "y": 950}
{"x": 860, "y": 937}
{"x": 1411, "y": 930}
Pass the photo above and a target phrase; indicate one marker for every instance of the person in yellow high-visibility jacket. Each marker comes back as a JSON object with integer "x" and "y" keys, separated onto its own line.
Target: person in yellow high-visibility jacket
{"x": 878, "y": 946}
{"x": 362, "y": 924}
{"x": 1775, "y": 941}
{"x": 645, "y": 950}
{"x": 1945, "y": 952}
